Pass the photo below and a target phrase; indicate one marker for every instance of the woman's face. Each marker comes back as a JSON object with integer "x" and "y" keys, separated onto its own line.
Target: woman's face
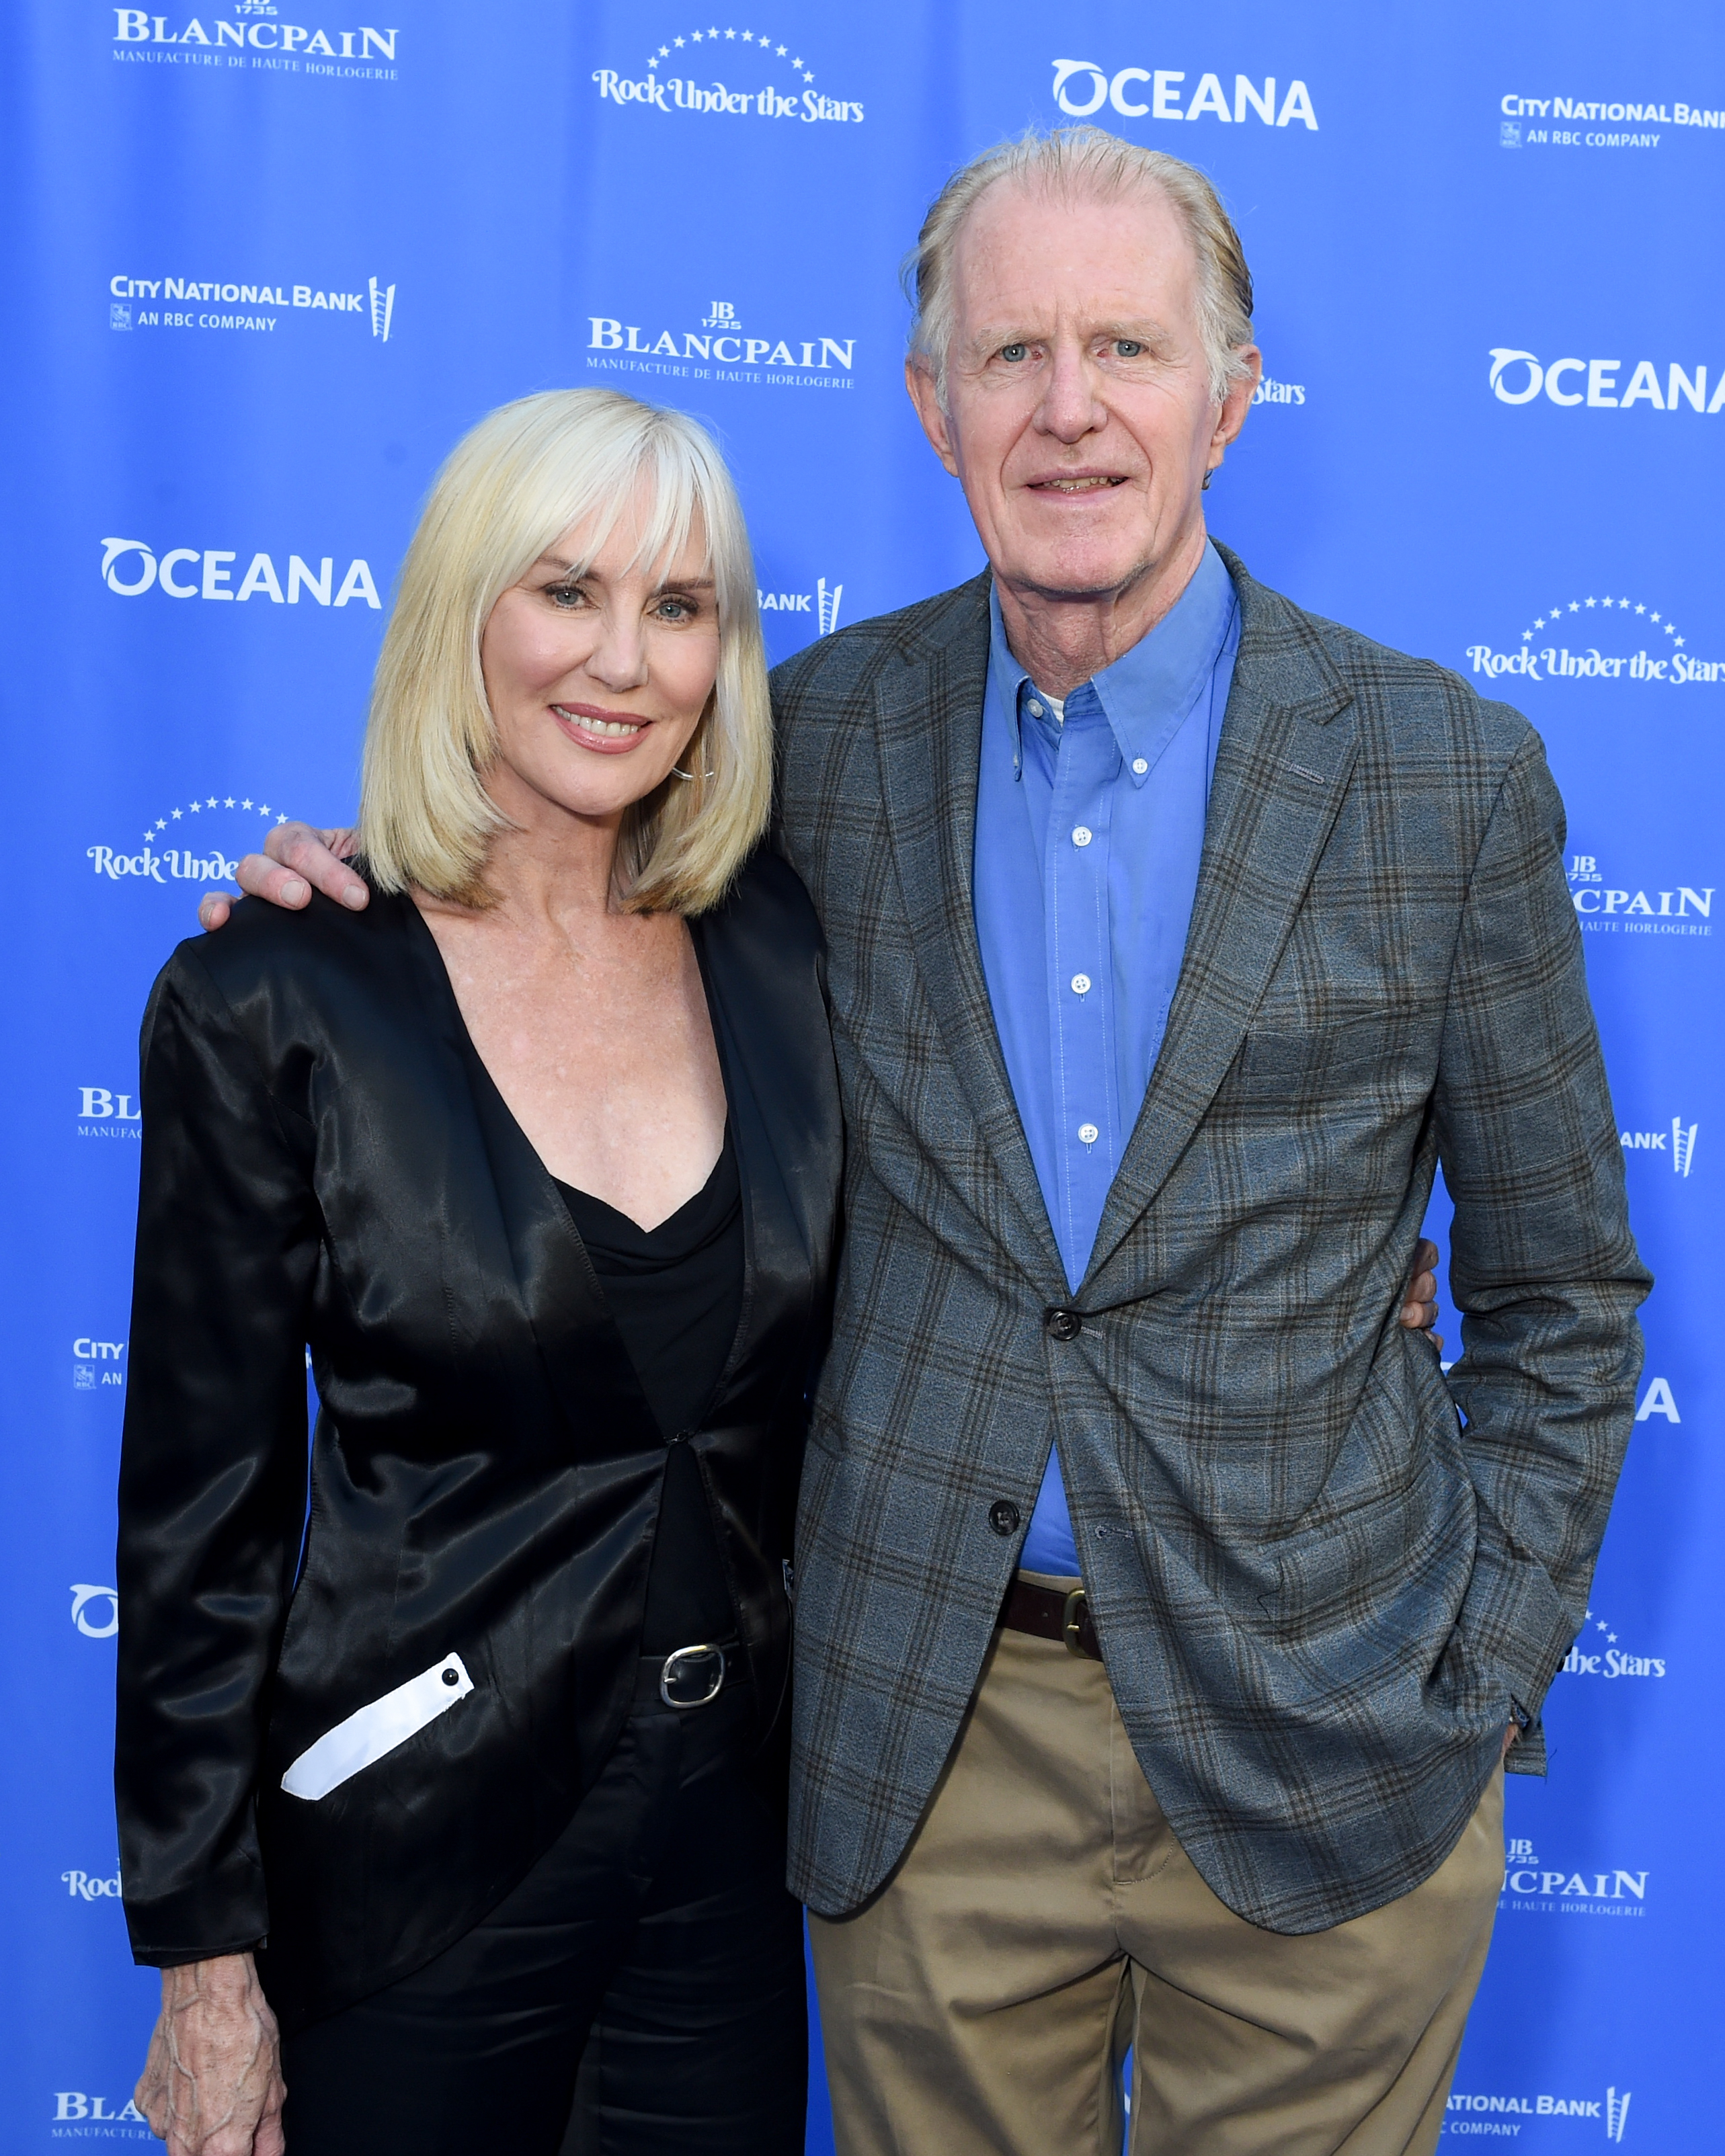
{"x": 597, "y": 682}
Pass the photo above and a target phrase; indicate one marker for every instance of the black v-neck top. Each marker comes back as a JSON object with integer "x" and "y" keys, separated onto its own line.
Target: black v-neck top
{"x": 675, "y": 1294}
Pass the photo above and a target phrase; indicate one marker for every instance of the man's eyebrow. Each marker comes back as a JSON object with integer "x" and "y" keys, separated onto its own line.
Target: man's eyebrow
{"x": 992, "y": 337}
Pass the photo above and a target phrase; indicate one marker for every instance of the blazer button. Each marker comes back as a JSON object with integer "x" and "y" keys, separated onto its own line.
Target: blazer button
{"x": 1003, "y": 1517}
{"x": 1063, "y": 1324}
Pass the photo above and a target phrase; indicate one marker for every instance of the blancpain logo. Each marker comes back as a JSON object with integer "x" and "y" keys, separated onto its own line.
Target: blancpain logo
{"x": 1612, "y": 2109}
{"x": 110, "y": 2110}
{"x": 1635, "y": 643}
{"x": 1518, "y": 378}
{"x": 720, "y": 351}
{"x": 1544, "y": 1890}
{"x": 364, "y": 52}
{"x": 189, "y": 303}
{"x": 760, "y": 78}
{"x": 1685, "y": 910}
{"x": 131, "y": 567}
{"x": 1082, "y": 88}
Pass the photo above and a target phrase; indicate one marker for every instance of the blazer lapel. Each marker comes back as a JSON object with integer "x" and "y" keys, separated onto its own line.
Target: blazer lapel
{"x": 928, "y": 734}
{"x": 585, "y": 1361}
{"x": 1288, "y": 745}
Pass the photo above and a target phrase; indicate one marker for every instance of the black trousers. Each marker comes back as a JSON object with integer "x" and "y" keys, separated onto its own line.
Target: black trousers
{"x": 641, "y": 1993}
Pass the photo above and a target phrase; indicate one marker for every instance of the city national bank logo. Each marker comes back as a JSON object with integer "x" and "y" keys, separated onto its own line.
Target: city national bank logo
{"x": 131, "y": 567}
{"x": 192, "y": 303}
{"x": 96, "y": 1363}
{"x": 1596, "y": 1652}
{"x": 1635, "y": 643}
{"x": 1082, "y": 88}
{"x": 820, "y": 605}
{"x": 1685, "y": 910}
{"x": 1586, "y": 123}
{"x": 260, "y": 39}
{"x": 720, "y": 351}
{"x": 99, "y": 2117}
{"x": 201, "y": 841}
{"x": 741, "y": 74}
{"x": 95, "y": 1610}
{"x": 1532, "y": 1889}
{"x": 1677, "y": 1144}
{"x": 1518, "y": 378}
{"x": 1503, "y": 2113}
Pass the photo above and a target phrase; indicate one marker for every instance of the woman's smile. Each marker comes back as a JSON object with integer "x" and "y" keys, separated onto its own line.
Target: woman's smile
{"x": 608, "y": 733}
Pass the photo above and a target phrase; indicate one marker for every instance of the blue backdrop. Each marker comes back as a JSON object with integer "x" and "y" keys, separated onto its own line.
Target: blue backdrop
{"x": 265, "y": 271}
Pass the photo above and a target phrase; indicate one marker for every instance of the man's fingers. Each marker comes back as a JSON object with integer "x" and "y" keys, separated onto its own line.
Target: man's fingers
{"x": 214, "y": 909}
{"x": 1425, "y": 1255}
{"x": 318, "y": 856}
{"x": 259, "y": 877}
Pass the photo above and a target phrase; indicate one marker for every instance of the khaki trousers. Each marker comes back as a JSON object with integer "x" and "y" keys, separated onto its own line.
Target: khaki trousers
{"x": 1045, "y": 1918}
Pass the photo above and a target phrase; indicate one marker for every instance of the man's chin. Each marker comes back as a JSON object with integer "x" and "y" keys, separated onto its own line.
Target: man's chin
{"x": 1076, "y": 573}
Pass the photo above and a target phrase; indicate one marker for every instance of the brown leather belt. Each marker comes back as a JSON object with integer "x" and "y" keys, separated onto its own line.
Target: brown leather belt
{"x": 1047, "y": 1613}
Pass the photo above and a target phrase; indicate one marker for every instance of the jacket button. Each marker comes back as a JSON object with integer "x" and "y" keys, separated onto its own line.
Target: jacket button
{"x": 1003, "y": 1517}
{"x": 451, "y": 1677}
{"x": 1063, "y": 1324}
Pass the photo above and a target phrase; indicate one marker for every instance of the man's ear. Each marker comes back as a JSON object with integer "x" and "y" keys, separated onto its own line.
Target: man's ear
{"x": 920, "y": 381}
{"x": 1236, "y": 404}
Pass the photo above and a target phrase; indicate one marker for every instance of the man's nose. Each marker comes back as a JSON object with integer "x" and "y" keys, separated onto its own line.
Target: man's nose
{"x": 620, "y": 658}
{"x": 1070, "y": 408}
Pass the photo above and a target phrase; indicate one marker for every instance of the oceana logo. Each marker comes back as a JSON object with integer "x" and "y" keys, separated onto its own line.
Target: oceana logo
{"x": 1518, "y": 378}
{"x": 131, "y": 567}
{"x": 1082, "y": 88}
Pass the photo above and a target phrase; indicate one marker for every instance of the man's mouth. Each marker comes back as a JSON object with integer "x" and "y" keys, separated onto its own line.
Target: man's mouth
{"x": 1083, "y": 483}
{"x": 590, "y": 722}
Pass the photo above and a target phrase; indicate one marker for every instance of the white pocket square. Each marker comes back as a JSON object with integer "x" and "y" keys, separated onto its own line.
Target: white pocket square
{"x": 370, "y": 1732}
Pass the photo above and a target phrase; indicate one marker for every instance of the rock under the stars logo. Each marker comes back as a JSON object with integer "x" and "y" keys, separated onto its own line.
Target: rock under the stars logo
{"x": 199, "y": 840}
{"x": 729, "y": 70}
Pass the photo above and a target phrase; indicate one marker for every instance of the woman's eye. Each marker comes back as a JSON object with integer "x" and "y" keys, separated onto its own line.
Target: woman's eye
{"x": 565, "y": 596}
{"x": 676, "y": 610}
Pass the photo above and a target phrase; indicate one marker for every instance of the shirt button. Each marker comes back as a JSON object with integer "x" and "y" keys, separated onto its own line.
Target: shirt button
{"x": 1081, "y": 984}
{"x": 1089, "y": 1133}
{"x": 1036, "y": 710}
{"x": 1139, "y": 766}
{"x": 1083, "y": 836}
{"x": 1003, "y": 1517}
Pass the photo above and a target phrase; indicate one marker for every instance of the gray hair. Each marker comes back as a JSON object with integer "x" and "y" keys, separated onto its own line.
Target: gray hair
{"x": 1079, "y": 164}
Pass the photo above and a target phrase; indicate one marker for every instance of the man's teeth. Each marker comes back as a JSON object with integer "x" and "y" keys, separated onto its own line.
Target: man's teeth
{"x": 614, "y": 726}
{"x": 1079, "y": 485}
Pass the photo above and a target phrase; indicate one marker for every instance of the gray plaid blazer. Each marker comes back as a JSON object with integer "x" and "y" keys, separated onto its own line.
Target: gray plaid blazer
{"x": 1319, "y": 1599}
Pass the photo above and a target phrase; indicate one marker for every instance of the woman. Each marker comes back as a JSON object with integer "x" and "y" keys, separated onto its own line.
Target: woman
{"x": 539, "y": 1153}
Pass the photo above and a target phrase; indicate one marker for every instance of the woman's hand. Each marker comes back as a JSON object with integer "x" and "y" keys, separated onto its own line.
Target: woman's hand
{"x": 212, "y": 2085}
{"x": 295, "y": 861}
{"x": 1419, "y": 1298}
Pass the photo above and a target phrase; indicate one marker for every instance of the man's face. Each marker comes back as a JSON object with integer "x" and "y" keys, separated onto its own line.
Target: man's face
{"x": 1078, "y": 416}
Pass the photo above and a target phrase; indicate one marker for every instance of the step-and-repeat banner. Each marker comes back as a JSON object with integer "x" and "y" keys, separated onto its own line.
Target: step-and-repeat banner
{"x": 267, "y": 259}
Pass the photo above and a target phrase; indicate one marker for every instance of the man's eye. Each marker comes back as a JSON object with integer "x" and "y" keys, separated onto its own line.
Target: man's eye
{"x": 1014, "y": 351}
{"x": 1128, "y": 347}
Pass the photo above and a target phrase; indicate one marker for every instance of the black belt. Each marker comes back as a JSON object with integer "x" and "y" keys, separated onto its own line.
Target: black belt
{"x": 691, "y": 1676}
{"x": 1050, "y": 1612}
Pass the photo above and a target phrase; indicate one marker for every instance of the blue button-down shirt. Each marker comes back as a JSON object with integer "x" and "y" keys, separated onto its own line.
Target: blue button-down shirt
{"x": 1089, "y": 827}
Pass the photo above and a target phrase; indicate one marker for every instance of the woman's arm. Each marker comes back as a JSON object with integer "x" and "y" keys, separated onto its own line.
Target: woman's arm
{"x": 213, "y": 1468}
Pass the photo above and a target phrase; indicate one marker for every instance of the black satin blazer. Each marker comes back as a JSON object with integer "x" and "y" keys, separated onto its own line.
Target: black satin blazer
{"x": 325, "y": 1161}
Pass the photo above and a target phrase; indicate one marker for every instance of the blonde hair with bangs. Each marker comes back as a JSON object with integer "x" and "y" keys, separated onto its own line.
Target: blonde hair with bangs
{"x": 526, "y": 475}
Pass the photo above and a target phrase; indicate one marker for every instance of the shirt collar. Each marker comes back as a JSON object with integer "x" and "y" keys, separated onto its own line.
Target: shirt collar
{"x": 1148, "y": 693}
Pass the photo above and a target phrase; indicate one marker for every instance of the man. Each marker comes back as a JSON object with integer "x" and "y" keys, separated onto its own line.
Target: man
{"x": 1160, "y": 1631}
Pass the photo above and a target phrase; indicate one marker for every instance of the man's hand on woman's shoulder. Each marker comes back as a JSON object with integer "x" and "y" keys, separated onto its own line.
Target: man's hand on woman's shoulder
{"x": 295, "y": 861}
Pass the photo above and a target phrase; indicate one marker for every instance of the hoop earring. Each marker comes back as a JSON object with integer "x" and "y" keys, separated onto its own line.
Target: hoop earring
{"x": 675, "y": 774}
{"x": 1208, "y": 476}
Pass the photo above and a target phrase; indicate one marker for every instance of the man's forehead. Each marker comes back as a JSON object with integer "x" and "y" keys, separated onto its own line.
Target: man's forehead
{"x": 1121, "y": 251}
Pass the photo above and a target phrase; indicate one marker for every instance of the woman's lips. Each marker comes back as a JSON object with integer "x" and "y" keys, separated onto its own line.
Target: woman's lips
{"x": 606, "y": 733}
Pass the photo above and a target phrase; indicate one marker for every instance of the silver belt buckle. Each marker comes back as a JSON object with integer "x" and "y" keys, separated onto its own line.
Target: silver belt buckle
{"x": 693, "y": 1677}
